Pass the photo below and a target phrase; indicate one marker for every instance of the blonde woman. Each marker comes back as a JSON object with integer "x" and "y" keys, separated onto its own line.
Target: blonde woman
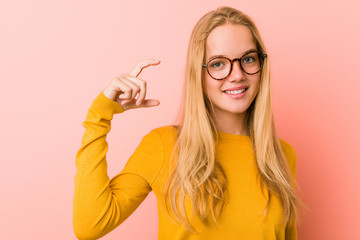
{"x": 221, "y": 172}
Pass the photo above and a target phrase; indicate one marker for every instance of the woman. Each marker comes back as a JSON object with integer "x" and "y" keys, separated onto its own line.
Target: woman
{"x": 221, "y": 172}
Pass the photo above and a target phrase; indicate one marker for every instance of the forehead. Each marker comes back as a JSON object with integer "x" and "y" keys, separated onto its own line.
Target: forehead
{"x": 230, "y": 40}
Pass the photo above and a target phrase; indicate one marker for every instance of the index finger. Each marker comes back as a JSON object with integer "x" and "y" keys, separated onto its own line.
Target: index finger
{"x": 141, "y": 65}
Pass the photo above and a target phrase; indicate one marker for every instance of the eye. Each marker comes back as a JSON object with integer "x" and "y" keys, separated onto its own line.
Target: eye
{"x": 216, "y": 64}
{"x": 249, "y": 59}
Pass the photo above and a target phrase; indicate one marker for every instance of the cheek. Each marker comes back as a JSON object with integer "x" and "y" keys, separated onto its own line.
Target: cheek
{"x": 208, "y": 85}
{"x": 212, "y": 87}
{"x": 256, "y": 85}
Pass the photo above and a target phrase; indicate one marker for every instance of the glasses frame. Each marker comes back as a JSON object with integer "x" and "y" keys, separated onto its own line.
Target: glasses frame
{"x": 262, "y": 56}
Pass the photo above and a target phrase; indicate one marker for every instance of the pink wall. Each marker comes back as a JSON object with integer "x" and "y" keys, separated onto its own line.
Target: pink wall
{"x": 56, "y": 57}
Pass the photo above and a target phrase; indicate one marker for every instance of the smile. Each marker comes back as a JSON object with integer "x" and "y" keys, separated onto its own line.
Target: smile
{"x": 236, "y": 93}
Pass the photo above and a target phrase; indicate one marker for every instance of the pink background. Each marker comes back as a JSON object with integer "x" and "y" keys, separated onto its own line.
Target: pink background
{"x": 56, "y": 57}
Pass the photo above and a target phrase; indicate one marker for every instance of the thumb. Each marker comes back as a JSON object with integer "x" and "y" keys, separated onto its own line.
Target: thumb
{"x": 149, "y": 103}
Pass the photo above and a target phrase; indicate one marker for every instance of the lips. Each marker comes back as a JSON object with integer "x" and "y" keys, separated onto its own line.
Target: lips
{"x": 235, "y": 88}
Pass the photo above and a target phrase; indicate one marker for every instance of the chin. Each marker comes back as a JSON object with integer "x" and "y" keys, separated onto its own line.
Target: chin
{"x": 239, "y": 108}
{"x": 235, "y": 110}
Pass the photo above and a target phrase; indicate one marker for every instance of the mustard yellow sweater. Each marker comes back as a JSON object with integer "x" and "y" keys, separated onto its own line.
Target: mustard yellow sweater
{"x": 101, "y": 203}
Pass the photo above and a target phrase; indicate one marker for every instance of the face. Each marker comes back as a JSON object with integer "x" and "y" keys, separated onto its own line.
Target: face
{"x": 232, "y": 41}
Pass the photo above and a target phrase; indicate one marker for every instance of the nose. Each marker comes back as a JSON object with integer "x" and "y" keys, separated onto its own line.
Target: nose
{"x": 237, "y": 73}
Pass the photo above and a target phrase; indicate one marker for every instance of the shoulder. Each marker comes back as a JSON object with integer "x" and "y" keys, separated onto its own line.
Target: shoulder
{"x": 287, "y": 148}
{"x": 290, "y": 154}
{"x": 160, "y": 137}
{"x": 164, "y": 132}
{"x": 148, "y": 158}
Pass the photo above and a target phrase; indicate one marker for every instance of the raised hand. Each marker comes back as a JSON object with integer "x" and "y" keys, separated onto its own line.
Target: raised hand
{"x": 124, "y": 88}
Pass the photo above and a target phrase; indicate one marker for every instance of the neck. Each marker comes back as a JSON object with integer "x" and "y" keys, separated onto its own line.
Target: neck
{"x": 230, "y": 123}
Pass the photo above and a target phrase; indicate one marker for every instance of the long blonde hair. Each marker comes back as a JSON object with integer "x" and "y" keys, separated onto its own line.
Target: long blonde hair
{"x": 196, "y": 174}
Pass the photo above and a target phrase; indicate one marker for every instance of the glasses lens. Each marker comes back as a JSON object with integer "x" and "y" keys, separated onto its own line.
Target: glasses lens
{"x": 219, "y": 68}
{"x": 251, "y": 62}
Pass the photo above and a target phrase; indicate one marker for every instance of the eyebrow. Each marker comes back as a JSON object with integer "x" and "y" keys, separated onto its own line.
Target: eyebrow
{"x": 215, "y": 56}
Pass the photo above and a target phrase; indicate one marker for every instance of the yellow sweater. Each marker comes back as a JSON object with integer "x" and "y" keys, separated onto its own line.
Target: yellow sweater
{"x": 101, "y": 204}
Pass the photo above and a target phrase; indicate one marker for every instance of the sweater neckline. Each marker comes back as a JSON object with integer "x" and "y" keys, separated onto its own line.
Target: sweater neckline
{"x": 224, "y": 135}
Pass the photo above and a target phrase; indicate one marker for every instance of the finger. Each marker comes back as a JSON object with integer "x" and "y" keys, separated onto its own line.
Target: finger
{"x": 121, "y": 87}
{"x": 126, "y": 104}
{"x": 142, "y": 85}
{"x": 139, "y": 67}
{"x": 150, "y": 103}
{"x": 123, "y": 102}
{"x": 135, "y": 89}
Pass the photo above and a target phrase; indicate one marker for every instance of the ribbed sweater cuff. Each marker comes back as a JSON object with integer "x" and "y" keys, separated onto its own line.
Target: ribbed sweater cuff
{"x": 106, "y": 106}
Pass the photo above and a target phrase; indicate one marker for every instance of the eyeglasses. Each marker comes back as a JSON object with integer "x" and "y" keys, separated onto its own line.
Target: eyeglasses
{"x": 220, "y": 67}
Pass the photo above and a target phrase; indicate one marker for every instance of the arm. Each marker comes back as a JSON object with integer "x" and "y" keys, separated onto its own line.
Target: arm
{"x": 101, "y": 204}
{"x": 291, "y": 230}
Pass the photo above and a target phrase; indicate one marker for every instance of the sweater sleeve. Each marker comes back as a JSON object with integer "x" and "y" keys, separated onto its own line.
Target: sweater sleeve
{"x": 290, "y": 156}
{"x": 290, "y": 230}
{"x": 101, "y": 204}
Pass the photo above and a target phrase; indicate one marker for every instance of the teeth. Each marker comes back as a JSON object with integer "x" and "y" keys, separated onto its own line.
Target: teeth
{"x": 235, "y": 92}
